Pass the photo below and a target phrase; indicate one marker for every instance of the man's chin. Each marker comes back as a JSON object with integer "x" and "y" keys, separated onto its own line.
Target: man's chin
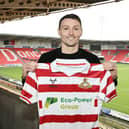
{"x": 71, "y": 45}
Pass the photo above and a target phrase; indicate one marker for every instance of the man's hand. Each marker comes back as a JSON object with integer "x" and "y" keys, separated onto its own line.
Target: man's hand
{"x": 28, "y": 67}
{"x": 111, "y": 66}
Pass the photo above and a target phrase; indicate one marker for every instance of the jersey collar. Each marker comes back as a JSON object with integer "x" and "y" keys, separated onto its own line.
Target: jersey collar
{"x": 70, "y": 66}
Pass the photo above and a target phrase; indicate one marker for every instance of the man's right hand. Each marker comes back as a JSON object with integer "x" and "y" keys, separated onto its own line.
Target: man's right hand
{"x": 28, "y": 67}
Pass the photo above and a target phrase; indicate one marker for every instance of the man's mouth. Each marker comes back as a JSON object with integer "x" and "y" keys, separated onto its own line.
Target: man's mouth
{"x": 71, "y": 38}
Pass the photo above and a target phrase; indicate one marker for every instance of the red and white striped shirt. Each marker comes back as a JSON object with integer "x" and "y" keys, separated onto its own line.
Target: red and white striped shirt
{"x": 69, "y": 93}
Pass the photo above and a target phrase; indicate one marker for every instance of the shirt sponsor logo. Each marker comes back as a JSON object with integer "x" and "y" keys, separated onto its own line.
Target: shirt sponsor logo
{"x": 50, "y": 100}
{"x": 75, "y": 100}
{"x": 67, "y": 103}
{"x": 73, "y": 103}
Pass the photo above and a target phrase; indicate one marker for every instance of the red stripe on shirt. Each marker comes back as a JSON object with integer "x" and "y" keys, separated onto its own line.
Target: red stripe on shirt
{"x": 31, "y": 82}
{"x": 66, "y": 88}
{"x": 44, "y": 72}
{"x": 111, "y": 95}
{"x": 64, "y": 64}
{"x": 96, "y": 102}
{"x": 109, "y": 80}
{"x": 68, "y": 118}
{"x": 22, "y": 97}
{"x": 25, "y": 93}
{"x": 92, "y": 74}
{"x": 96, "y": 74}
{"x": 40, "y": 104}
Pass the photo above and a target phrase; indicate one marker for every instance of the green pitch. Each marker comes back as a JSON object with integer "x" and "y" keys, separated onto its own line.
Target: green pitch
{"x": 11, "y": 72}
{"x": 121, "y": 103}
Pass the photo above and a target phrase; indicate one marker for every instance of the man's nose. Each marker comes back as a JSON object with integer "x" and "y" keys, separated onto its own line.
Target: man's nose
{"x": 71, "y": 31}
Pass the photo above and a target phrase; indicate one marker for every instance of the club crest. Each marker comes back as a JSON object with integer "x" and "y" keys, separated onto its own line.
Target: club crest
{"x": 85, "y": 84}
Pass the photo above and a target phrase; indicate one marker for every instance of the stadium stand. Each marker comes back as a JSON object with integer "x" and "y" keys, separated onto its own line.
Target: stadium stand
{"x": 20, "y": 55}
{"x": 8, "y": 56}
{"x": 27, "y": 54}
{"x": 116, "y": 55}
{"x": 120, "y": 55}
{"x": 107, "y": 55}
{"x": 14, "y": 56}
{"x": 126, "y": 59}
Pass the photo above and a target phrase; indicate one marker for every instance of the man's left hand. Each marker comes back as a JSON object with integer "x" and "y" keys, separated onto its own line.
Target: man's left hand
{"x": 111, "y": 66}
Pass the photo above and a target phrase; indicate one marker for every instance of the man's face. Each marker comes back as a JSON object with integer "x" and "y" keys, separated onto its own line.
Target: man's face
{"x": 70, "y": 31}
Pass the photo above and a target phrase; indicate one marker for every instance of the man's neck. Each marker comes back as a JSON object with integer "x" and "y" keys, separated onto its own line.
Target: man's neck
{"x": 69, "y": 50}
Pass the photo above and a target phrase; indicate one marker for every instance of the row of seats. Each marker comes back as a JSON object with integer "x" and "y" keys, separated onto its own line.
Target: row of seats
{"x": 116, "y": 55}
{"x": 21, "y": 55}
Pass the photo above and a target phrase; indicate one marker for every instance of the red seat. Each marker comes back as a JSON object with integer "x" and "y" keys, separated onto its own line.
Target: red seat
{"x": 7, "y": 56}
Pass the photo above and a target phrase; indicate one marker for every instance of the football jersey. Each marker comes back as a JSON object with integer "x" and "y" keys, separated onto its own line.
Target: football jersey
{"x": 69, "y": 93}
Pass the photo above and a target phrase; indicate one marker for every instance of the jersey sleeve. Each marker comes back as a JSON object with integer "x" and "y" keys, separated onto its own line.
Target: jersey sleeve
{"x": 29, "y": 91}
{"x": 107, "y": 88}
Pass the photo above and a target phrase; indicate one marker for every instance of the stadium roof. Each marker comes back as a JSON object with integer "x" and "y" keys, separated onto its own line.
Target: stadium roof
{"x": 13, "y": 9}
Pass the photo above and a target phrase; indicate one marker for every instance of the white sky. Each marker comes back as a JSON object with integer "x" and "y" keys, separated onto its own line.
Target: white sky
{"x": 105, "y": 22}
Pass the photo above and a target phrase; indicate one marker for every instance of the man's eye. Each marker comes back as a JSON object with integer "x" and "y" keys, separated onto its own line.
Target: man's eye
{"x": 76, "y": 28}
{"x": 65, "y": 28}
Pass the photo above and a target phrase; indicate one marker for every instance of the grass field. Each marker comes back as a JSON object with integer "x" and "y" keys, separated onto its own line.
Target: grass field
{"x": 121, "y": 103}
{"x": 11, "y": 72}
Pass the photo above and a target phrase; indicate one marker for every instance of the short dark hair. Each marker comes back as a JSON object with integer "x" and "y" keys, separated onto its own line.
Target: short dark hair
{"x": 71, "y": 16}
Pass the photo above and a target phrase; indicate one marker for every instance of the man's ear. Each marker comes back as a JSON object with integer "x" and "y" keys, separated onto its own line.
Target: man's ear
{"x": 81, "y": 32}
{"x": 58, "y": 31}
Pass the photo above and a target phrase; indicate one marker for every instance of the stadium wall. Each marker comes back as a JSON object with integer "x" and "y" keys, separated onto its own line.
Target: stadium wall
{"x": 15, "y": 114}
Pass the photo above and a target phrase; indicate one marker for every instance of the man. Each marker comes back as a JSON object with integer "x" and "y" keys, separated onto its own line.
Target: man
{"x": 70, "y": 31}
{"x": 69, "y": 83}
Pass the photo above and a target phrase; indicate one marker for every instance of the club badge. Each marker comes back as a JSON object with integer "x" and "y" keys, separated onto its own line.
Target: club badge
{"x": 85, "y": 84}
